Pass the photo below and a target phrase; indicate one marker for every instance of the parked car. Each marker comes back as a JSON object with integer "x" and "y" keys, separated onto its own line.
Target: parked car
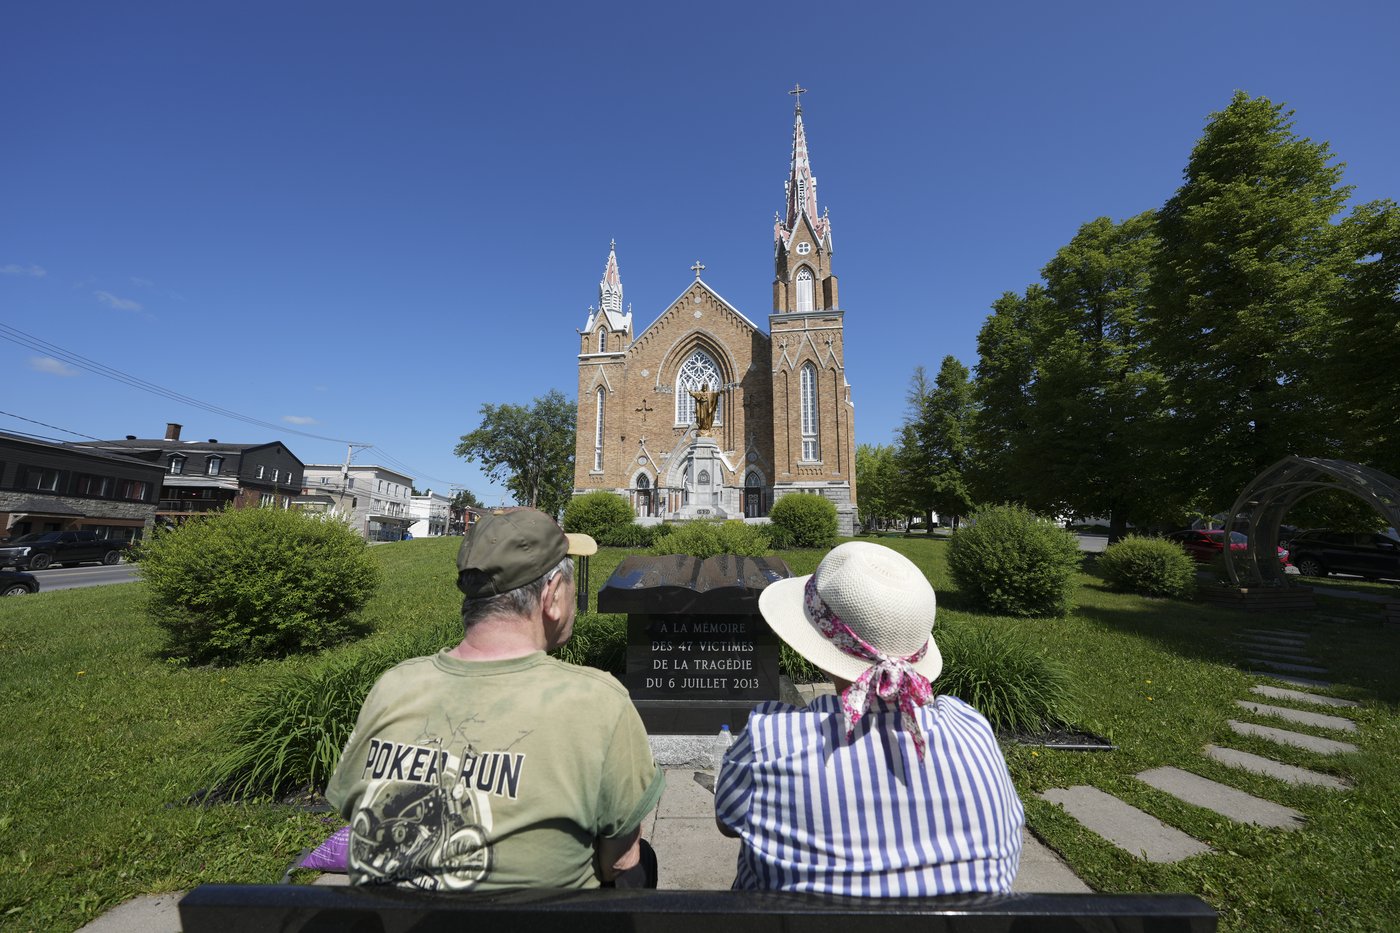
{"x": 14, "y": 583}
{"x": 1205, "y": 545}
{"x": 50, "y": 548}
{"x": 1366, "y": 554}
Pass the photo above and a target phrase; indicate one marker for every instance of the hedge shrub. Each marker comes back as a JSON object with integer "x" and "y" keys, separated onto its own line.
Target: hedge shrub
{"x": 1013, "y": 683}
{"x": 803, "y": 521}
{"x": 701, "y": 538}
{"x": 597, "y": 513}
{"x": 247, "y": 584}
{"x": 1150, "y": 566}
{"x": 1011, "y": 561}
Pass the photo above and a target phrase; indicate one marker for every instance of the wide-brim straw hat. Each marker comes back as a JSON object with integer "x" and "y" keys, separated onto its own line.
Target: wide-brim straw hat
{"x": 877, "y": 592}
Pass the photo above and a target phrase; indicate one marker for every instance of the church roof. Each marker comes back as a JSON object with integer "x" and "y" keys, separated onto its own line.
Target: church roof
{"x": 718, "y": 297}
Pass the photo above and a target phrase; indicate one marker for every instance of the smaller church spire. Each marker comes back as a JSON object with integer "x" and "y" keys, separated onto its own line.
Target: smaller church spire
{"x": 610, "y": 289}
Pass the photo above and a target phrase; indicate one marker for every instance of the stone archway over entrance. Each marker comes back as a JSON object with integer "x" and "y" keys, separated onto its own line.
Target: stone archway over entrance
{"x": 1268, "y": 497}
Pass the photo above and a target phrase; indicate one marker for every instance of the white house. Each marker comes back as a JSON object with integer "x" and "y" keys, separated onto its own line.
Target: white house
{"x": 431, "y": 512}
{"x": 375, "y": 499}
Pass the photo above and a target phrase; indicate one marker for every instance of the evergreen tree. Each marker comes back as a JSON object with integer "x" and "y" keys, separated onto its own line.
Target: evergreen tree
{"x": 1246, "y": 275}
{"x": 943, "y": 433}
{"x": 1001, "y": 469}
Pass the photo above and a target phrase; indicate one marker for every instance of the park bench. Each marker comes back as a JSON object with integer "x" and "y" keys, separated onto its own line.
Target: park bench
{"x": 323, "y": 909}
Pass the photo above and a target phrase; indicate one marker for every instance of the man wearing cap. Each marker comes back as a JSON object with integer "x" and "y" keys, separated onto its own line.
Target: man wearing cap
{"x": 882, "y": 790}
{"x": 490, "y": 765}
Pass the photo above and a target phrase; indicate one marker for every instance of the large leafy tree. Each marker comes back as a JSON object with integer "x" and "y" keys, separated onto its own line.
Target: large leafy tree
{"x": 1001, "y": 467}
{"x": 878, "y": 482}
{"x": 1093, "y": 399}
{"x": 1246, "y": 277}
{"x": 943, "y": 432}
{"x": 527, "y": 448}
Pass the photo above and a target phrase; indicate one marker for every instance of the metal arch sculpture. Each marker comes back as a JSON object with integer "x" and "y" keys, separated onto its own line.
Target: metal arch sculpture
{"x": 1270, "y": 495}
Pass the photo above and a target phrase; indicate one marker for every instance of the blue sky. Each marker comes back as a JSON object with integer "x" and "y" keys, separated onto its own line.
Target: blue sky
{"x": 363, "y": 220}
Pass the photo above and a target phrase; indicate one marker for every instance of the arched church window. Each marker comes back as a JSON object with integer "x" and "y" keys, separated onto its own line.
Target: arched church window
{"x": 698, "y": 370}
{"x": 643, "y": 482}
{"x": 598, "y": 429}
{"x": 703, "y": 479}
{"x": 809, "y": 412}
{"x": 602, "y": 340}
{"x": 804, "y": 289}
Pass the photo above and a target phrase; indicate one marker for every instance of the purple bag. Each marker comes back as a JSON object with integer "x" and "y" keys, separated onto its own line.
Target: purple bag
{"x": 331, "y": 855}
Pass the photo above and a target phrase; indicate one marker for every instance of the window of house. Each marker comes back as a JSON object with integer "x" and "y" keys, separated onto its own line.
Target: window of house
{"x": 265, "y": 499}
{"x": 41, "y": 479}
{"x": 86, "y": 484}
{"x": 350, "y": 483}
{"x": 325, "y": 481}
{"x": 809, "y": 412}
{"x": 699, "y": 370}
{"x": 804, "y": 289}
{"x": 134, "y": 490}
{"x": 214, "y": 466}
{"x": 276, "y": 475}
{"x": 177, "y": 465}
{"x": 598, "y": 429}
{"x": 262, "y": 470}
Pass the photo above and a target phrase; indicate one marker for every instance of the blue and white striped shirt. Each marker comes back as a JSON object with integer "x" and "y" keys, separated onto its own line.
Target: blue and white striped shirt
{"x": 865, "y": 817}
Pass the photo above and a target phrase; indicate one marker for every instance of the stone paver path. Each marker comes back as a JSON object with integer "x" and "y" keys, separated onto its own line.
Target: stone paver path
{"x": 1258, "y": 764}
{"x": 1298, "y": 696}
{"x": 1297, "y": 739}
{"x": 1225, "y": 800}
{"x": 1303, "y": 717}
{"x": 1125, "y": 826}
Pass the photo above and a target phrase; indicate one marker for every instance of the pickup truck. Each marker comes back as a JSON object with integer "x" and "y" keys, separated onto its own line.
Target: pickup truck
{"x": 43, "y": 549}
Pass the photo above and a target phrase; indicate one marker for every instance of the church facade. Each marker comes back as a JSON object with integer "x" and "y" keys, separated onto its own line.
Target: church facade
{"x": 783, "y": 419}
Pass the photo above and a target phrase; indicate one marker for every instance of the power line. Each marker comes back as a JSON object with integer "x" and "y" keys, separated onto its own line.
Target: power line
{"x": 52, "y": 426}
{"x": 17, "y": 336}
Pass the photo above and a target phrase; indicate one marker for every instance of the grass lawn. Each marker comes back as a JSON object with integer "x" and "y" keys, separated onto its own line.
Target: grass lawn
{"x": 104, "y": 741}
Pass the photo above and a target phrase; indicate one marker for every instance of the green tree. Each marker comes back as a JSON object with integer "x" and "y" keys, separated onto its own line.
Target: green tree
{"x": 913, "y": 485}
{"x": 943, "y": 433}
{"x": 529, "y": 449}
{"x": 1001, "y": 468}
{"x": 1364, "y": 355}
{"x": 466, "y": 499}
{"x": 1246, "y": 276}
{"x": 877, "y": 480}
{"x": 1094, "y": 399}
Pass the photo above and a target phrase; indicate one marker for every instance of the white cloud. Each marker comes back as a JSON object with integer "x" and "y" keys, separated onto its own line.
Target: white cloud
{"x": 142, "y": 283}
{"x": 47, "y": 364}
{"x": 121, "y": 304}
{"x": 298, "y": 419}
{"x": 15, "y": 269}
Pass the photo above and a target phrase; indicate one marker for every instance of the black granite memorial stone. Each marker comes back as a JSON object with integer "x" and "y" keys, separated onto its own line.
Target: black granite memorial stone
{"x": 699, "y": 654}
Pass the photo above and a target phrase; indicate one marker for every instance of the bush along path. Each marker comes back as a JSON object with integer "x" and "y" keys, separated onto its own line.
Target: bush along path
{"x": 1276, "y": 655}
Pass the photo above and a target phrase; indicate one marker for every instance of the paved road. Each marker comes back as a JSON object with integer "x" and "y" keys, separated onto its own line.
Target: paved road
{"x": 71, "y": 578}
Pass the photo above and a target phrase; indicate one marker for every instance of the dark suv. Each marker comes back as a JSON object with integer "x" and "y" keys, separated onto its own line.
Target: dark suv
{"x": 1366, "y": 554}
{"x": 51, "y": 548}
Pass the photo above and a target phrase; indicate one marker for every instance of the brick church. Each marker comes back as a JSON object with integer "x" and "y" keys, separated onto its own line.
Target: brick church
{"x": 783, "y": 419}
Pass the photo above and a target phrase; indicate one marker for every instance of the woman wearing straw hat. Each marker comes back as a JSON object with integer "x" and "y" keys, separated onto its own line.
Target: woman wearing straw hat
{"x": 882, "y": 789}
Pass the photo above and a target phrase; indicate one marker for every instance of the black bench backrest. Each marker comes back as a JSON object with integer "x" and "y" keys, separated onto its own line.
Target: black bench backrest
{"x": 322, "y": 909}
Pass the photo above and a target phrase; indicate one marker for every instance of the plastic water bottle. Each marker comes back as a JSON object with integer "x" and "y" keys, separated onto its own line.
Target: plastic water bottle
{"x": 719, "y": 746}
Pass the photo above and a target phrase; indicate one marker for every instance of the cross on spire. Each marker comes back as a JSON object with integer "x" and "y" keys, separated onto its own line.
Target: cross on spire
{"x": 698, "y": 268}
{"x": 797, "y": 91}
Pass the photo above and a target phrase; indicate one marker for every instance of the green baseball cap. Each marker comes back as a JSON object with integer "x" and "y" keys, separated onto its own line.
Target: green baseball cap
{"x": 508, "y": 548}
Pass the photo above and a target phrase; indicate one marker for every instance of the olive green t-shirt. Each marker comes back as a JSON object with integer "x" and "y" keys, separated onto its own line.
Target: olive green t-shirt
{"x": 484, "y": 775}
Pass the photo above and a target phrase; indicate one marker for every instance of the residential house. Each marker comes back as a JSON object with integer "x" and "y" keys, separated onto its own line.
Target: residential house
{"x": 206, "y": 476}
{"x": 375, "y": 499}
{"x": 432, "y": 513}
{"x": 49, "y": 486}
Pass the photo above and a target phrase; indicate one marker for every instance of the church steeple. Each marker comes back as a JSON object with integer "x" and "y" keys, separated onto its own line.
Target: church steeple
{"x": 610, "y": 289}
{"x": 802, "y": 238}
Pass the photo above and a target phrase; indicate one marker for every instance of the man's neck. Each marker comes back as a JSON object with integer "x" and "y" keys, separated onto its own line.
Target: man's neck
{"x": 498, "y": 639}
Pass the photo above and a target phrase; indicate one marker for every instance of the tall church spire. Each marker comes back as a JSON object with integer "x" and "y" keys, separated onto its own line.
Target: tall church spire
{"x": 610, "y": 289}
{"x": 801, "y": 184}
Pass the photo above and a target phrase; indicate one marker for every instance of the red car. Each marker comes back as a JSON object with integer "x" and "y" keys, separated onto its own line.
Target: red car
{"x": 1205, "y": 545}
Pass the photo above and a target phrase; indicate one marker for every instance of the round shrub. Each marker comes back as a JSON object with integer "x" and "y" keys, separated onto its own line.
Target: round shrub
{"x": 1150, "y": 566}
{"x": 1012, "y": 561}
{"x": 595, "y": 513}
{"x": 628, "y": 536}
{"x": 1014, "y": 684}
{"x": 247, "y": 584}
{"x": 803, "y": 521}
{"x": 702, "y": 538}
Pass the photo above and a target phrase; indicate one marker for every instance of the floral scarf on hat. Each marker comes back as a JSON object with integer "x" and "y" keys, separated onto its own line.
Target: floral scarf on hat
{"x": 890, "y": 679}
